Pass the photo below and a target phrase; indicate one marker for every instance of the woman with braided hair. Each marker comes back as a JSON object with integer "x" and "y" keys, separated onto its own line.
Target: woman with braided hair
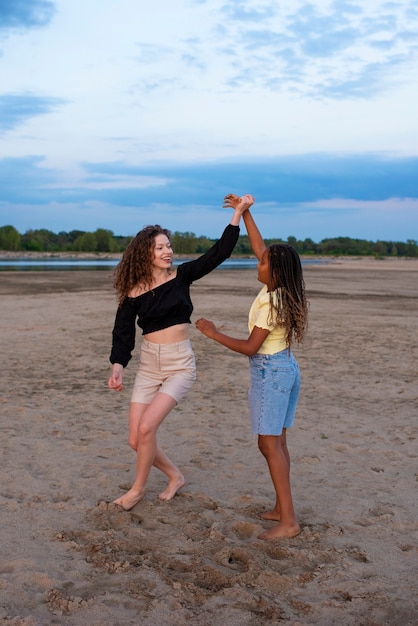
{"x": 277, "y": 320}
{"x": 156, "y": 297}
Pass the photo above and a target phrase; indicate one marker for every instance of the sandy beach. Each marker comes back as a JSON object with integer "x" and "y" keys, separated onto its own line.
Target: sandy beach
{"x": 68, "y": 557}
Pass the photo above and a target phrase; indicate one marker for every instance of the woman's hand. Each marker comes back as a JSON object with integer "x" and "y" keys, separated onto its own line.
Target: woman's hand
{"x": 115, "y": 380}
{"x": 206, "y": 327}
{"x": 238, "y": 203}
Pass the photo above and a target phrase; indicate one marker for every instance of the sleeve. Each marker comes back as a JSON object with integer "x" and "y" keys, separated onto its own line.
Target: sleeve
{"x": 262, "y": 318}
{"x": 123, "y": 334}
{"x": 221, "y": 250}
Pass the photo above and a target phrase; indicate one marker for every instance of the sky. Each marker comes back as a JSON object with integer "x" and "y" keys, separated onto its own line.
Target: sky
{"x": 121, "y": 113}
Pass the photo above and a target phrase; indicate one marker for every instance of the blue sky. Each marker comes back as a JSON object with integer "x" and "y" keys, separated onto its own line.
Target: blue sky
{"x": 119, "y": 113}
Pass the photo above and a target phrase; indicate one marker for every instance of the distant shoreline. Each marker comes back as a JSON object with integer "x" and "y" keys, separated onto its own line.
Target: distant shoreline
{"x": 8, "y": 254}
{"x": 102, "y": 256}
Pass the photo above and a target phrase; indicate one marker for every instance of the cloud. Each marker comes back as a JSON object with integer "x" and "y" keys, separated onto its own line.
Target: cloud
{"x": 239, "y": 12}
{"x": 321, "y": 50}
{"x": 25, "y": 13}
{"x": 154, "y": 53}
{"x": 281, "y": 181}
{"x": 22, "y": 179}
{"x": 15, "y": 109}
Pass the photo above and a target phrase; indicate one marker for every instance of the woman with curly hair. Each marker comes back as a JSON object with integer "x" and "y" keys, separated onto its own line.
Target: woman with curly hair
{"x": 156, "y": 296}
{"x": 277, "y": 319}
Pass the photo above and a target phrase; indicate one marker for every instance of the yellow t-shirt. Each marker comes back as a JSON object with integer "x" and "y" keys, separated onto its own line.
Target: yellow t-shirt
{"x": 259, "y": 316}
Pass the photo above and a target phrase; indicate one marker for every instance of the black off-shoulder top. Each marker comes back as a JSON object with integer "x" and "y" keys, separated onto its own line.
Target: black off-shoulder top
{"x": 168, "y": 304}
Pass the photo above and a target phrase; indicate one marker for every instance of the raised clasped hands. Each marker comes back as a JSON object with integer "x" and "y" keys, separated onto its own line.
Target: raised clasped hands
{"x": 241, "y": 203}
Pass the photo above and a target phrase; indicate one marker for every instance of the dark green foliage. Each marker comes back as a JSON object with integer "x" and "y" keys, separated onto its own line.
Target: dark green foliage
{"x": 102, "y": 240}
{"x": 9, "y": 238}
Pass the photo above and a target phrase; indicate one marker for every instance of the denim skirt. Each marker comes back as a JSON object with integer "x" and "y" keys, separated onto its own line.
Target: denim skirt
{"x": 274, "y": 392}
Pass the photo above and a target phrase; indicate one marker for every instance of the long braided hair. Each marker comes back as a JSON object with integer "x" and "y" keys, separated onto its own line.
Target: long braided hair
{"x": 135, "y": 266}
{"x": 288, "y": 303}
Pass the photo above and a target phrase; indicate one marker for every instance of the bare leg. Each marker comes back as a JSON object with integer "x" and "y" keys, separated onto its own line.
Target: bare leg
{"x": 274, "y": 514}
{"x": 176, "y": 478}
{"x": 274, "y": 449}
{"x": 147, "y": 419}
{"x": 161, "y": 460}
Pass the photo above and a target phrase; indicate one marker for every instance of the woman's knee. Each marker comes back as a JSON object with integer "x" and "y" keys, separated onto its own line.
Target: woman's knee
{"x": 146, "y": 431}
{"x": 269, "y": 444}
{"x": 265, "y": 444}
{"x": 133, "y": 443}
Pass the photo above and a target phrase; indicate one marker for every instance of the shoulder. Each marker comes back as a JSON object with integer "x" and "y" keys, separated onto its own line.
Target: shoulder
{"x": 142, "y": 289}
{"x": 263, "y": 296}
{"x": 136, "y": 291}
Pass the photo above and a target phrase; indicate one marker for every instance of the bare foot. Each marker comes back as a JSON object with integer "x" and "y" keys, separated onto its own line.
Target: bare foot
{"x": 172, "y": 488}
{"x": 271, "y": 515}
{"x": 129, "y": 499}
{"x": 280, "y": 531}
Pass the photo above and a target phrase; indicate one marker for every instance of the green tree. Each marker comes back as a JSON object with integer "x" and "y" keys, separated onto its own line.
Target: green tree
{"x": 75, "y": 234}
{"x": 104, "y": 239}
{"x": 85, "y": 243}
{"x": 10, "y": 238}
{"x": 202, "y": 245}
{"x": 380, "y": 249}
{"x": 411, "y": 247}
{"x": 308, "y": 246}
{"x": 41, "y": 240}
{"x": 119, "y": 243}
{"x": 243, "y": 246}
{"x": 183, "y": 243}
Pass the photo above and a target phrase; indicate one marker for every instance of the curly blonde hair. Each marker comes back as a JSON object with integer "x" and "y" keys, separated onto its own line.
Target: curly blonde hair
{"x": 135, "y": 266}
{"x": 288, "y": 291}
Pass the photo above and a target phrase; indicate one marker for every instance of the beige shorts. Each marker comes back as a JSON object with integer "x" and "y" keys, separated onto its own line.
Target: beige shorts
{"x": 166, "y": 368}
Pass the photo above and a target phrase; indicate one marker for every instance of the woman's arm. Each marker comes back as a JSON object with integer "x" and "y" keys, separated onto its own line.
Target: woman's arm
{"x": 123, "y": 334}
{"x": 254, "y": 235}
{"x": 257, "y": 243}
{"x": 221, "y": 249}
{"x": 248, "y": 346}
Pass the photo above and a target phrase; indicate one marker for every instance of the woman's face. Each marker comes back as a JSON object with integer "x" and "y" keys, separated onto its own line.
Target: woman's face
{"x": 263, "y": 272}
{"x": 163, "y": 252}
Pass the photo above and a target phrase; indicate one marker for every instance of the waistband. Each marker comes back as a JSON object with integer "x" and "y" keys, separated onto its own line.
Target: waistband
{"x": 159, "y": 348}
{"x": 284, "y": 355}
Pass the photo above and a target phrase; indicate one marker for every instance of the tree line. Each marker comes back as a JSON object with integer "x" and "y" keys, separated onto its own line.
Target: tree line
{"x": 102, "y": 241}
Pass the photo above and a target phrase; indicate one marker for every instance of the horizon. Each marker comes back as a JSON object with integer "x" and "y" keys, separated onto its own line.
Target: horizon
{"x": 204, "y": 236}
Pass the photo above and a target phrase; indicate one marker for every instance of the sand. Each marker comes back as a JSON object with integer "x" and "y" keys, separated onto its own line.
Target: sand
{"x": 68, "y": 557}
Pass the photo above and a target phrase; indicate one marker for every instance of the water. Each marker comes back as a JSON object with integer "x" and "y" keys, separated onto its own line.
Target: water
{"x": 56, "y": 264}
{"x": 48, "y": 264}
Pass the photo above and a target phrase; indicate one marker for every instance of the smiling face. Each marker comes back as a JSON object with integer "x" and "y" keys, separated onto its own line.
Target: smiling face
{"x": 162, "y": 252}
{"x": 263, "y": 269}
